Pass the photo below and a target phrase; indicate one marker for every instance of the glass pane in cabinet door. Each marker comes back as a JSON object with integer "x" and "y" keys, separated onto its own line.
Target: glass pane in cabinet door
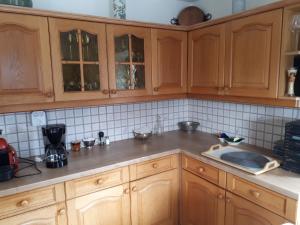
{"x": 138, "y": 72}
{"x": 69, "y": 45}
{"x": 71, "y": 76}
{"x": 122, "y": 49}
{"x": 89, "y": 46}
{"x": 137, "y": 49}
{"x": 91, "y": 77}
{"x": 123, "y": 78}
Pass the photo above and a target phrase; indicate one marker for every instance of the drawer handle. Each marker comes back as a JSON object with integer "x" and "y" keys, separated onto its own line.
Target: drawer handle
{"x": 220, "y": 196}
{"x": 134, "y": 189}
{"x": 155, "y": 165}
{"x": 62, "y": 212}
{"x": 100, "y": 181}
{"x": 24, "y": 203}
{"x": 126, "y": 191}
{"x": 256, "y": 194}
{"x": 201, "y": 170}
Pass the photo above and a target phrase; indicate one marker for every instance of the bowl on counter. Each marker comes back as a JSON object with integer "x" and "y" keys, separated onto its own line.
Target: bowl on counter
{"x": 89, "y": 142}
{"x": 142, "y": 134}
{"x": 188, "y": 126}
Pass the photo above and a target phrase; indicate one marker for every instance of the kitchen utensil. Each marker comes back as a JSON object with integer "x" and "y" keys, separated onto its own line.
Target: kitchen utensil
{"x": 189, "y": 126}
{"x": 75, "y": 145}
{"x": 234, "y": 140}
{"x": 142, "y": 134}
{"x": 89, "y": 142}
{"x": 192, "y": 15}
{"x": 245, "y": 160}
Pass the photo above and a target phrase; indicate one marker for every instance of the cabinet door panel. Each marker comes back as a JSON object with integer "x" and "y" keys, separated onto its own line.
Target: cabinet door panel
{"x": 53, "y": 215}
{"x": 253, "y": 48}
{"x": 169, "y": 61}
{"x": 202, "y": 202}
{"x": 25, "y": 65}
{"x": 79, "y": 60}
{"x": 243, "y": 212}
{"x": 155, "y": 200}
{"x": 129, "y": 54}
{"x": 107, "y": 207}
{"x": 206, "y": 60}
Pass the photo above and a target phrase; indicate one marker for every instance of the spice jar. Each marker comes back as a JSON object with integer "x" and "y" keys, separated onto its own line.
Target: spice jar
{"x": 75, "y": 145}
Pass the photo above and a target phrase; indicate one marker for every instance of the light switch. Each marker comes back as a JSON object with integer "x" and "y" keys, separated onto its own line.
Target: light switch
{"x": 38, "y": 118}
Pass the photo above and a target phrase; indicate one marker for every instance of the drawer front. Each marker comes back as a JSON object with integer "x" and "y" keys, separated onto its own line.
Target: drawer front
{"x": 268, "y": 199}
{"x": 23, "y": 202}
{"x": 83, "y": 186}
{"x": 204, "y": 170}
{"x": 152, "y": 167}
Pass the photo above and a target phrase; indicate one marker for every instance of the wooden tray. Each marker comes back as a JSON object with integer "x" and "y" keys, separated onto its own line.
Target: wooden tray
{"x": 216, "y": 151}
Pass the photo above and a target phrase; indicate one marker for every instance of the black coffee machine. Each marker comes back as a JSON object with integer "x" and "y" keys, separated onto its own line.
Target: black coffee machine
{"x": 55, "y": 147}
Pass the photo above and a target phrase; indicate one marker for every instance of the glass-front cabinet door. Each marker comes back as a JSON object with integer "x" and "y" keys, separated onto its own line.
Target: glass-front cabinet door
{"x": 129, "y": 51}
{"x": 79, "y": 60}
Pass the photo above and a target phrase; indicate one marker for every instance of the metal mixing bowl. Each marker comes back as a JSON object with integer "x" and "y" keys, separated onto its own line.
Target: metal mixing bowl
{"x": 188, "y": 126}
{"x": 141, "y": 135}
{"x": 89, "y": 142}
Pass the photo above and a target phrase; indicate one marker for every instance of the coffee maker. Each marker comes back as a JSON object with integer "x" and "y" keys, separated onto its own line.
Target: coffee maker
{"x": 55, "y": 147}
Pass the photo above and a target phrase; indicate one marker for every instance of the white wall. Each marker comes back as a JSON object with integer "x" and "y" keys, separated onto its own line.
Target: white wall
{"x": 158, "y": 11}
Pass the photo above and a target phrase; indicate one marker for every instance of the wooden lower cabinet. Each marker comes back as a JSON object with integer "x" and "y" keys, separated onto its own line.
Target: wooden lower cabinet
{"x": 107, "y": 207}
{"x": 242, "y": 212}
{"x": 52, "y": 215}
{"x": 203, "y": 203}
{"x": 154, "y": 200}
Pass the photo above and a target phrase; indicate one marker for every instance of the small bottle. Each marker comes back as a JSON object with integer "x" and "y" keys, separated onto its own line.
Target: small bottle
{"x": 158, "y": 127}
{"x": 107, "y": 141}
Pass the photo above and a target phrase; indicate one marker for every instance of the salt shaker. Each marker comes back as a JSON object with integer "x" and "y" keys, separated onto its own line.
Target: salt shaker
{"x": 292, "y": 72}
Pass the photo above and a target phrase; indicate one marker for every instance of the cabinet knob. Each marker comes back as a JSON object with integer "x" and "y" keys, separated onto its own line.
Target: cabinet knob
{"x": 201, "y": 170}
{"x": 100, "y": 181}
{"x": 62, "y": 212}
{"x": 105, "y": 92}
{"x": 226, "y": 88}
{"x": 156, "y": 89}
{"x": 220, "y": 196}
{"x": 24, "y": 203}
{"x": 134, "y": 189}
{"x": 155, "y": 165}
{"x": 256, "y": 194}
{"x": 113, "y": 91}
{"x": 126, "y": 191}
{"x": 228, "y": 200}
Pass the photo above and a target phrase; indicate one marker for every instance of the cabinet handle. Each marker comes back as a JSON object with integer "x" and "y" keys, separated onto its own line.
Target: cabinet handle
{"x": 113, "y": 91}
{"x": 155, "y": 165}
{"x": 62, "y": 212}
{"x": 220, "y": 196}
{"x": 134, "y": 189}
{"x": 49, "y": 94}
{"x": 201, "y": 170}
{"x": 156, "y": 89}
{"x": 256, "y": 194}
{"x": 105, "y": 92}
{"x": 99, "y": 181}
{"x": 24, "y": 203}
{"x": 126, "y": 191}
{"x": 228, "y": 200}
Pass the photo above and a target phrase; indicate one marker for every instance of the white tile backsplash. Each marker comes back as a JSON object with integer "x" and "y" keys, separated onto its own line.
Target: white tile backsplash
{"x": 260, "y": 125}
{"x": 117, "y": 121}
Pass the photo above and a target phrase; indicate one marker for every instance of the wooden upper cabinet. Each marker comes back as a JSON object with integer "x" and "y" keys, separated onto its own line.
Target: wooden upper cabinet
{"x": 129, "y": 55}
{"x": 203, "y": 203}
{"x": 107, "y": 207}
{"x": 241, "y": 212}
{"x": 253, "y": 55}
{"x": 206, "y": 60}
{"x": 154, "y": 200}
{"x": 79, "y": 60}
{"x": 169, "y": 61}
{"x": 25, "y": 64}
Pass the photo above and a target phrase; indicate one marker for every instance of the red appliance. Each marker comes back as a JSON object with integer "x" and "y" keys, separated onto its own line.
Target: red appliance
{"x": 8, "y": 161}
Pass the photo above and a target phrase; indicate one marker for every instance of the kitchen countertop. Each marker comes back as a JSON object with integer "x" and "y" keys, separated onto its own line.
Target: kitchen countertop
{"x": 126, "y": 152}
